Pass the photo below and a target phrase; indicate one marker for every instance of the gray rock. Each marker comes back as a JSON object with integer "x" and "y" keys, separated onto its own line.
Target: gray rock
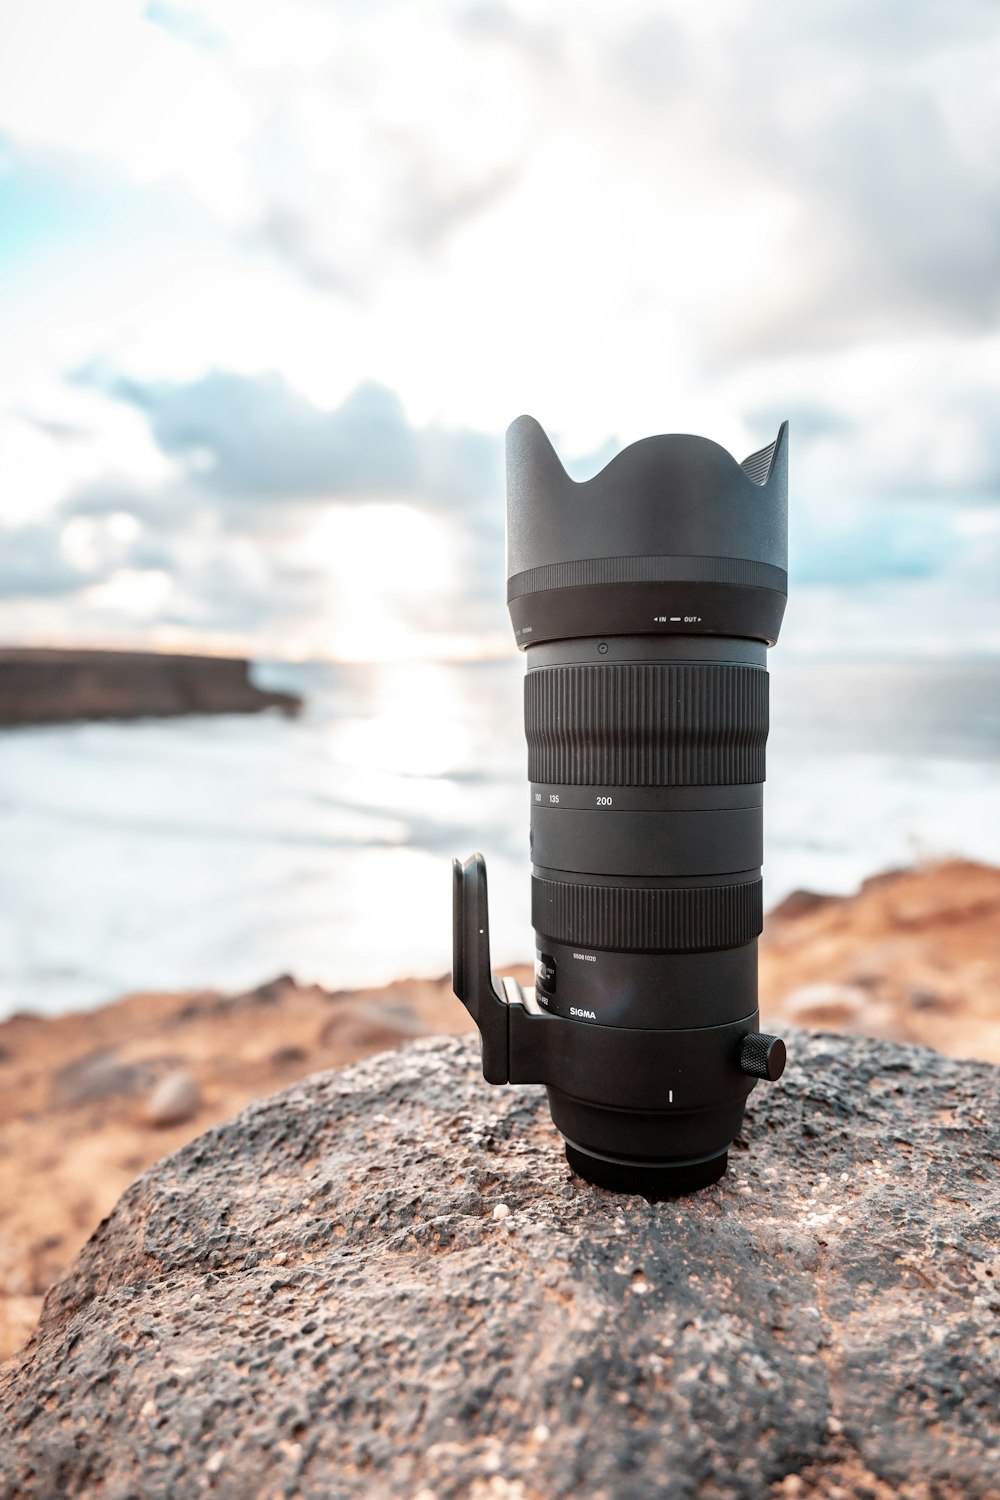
{"x": 98, "y": 1076}
{"x": 320, "y": 1299}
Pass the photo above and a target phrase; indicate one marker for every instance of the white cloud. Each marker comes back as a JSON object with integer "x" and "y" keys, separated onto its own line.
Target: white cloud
{"x": 101, "y": 81}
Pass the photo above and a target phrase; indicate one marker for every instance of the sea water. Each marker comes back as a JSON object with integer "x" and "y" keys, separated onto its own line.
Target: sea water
{"x": 220, "y": 852}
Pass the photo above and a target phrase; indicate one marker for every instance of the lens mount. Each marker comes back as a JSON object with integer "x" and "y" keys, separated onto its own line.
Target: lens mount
{"x": 651, "y": 1180}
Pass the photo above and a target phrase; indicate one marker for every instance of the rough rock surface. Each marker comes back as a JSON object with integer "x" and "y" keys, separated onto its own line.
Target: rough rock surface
{"x": 324, "y": 1297}
{"x": 74, "y": 1129}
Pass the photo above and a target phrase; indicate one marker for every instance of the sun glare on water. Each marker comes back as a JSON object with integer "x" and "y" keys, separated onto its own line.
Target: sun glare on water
{"x": 385, "y": 562}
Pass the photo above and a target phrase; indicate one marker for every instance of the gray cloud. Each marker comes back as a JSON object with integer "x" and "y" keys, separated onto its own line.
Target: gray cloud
{"x": 32, "y": 565}
{"x": 807, "y": 419}
{"x": 265, "y": 451}
{"x": 254, "y": 438}
{"x": 219, "y": 592}
{"x": 915, "y": 232}
{"x": 425, "y": 211}
{"x": 898, "y": 205}
{"x": 541, "y": 41}
{"x": 871, "y": 120}
{"x": 257, "y": 462}
{"x": 876, "y": 28}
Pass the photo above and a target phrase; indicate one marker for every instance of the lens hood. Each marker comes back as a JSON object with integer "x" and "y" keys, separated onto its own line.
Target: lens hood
{"x": 673, "y": 536}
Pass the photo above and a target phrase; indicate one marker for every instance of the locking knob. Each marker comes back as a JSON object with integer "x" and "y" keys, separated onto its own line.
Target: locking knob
{"x": 762, "y": 1056}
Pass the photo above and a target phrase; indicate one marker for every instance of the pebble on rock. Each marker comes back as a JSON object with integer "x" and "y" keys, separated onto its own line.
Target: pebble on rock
{"x": 825, "y": 1004}
{"x": 175, "y": 1099}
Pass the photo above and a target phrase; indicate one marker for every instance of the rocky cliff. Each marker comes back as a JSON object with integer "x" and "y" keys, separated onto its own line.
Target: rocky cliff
{"x": 52, "y": 687}
{"x": 386, "y": 1282}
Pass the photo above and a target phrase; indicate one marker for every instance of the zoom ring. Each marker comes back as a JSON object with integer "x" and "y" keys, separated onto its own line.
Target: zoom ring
{"x": 640, "y": 919}
{"x": 646, "y": 724}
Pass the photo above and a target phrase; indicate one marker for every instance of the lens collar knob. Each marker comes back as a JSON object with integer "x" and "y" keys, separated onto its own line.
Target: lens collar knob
{"x": 762, "y": 1056}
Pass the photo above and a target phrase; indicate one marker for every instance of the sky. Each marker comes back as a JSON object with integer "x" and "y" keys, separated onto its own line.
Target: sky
{"x": 274, "y": 277}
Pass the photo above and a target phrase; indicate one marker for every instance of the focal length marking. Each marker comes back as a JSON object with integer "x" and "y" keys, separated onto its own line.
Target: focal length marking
{"x": 570, "y": 798}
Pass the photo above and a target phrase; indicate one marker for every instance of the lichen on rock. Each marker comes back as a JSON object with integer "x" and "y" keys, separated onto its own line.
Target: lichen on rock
{"x": 321, "y": 1298}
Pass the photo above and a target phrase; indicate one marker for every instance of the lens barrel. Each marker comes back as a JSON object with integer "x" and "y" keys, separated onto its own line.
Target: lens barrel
{"x": 645, "y": 599}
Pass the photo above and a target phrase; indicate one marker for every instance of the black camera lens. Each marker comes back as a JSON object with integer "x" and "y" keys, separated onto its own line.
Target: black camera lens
{"x": 645, "y": 599}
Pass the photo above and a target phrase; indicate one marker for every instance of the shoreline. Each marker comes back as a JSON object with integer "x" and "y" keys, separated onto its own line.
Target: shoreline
{"x": 90, "y": 1099}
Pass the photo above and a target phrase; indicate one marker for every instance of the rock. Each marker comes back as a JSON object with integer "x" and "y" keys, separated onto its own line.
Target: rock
{"x": 288, "y": 1057}
{"x": 798, "y": 902}
{"x": 99, "y": 1075}
{"x": 931, "y": 930}
{"x": 825, "y": 1004}
{"x": 18, "y": 1317}
{"x": 175, "y": 1098}
{"x": 319, "y": 1298}
{"x": 45, "y": 686}
{"x": 371, "y": 1025}
{"x": 64, "y": 1165}
{"x": 272, "y": 992}
{"x": 924, "y": 998}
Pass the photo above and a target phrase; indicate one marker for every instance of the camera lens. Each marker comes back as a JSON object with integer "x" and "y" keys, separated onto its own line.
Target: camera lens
{"x": 644, "y": 599}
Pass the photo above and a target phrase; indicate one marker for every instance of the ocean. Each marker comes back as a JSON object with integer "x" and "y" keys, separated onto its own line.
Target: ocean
{"x": 220, "y": 852}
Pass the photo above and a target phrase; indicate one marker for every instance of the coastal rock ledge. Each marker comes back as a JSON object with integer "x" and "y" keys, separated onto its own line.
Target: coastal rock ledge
{"x": 41, "y": 686}
{"x": 385, "y": 1282}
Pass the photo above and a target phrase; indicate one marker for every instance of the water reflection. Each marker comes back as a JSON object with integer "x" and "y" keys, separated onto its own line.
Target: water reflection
{"x": 222, "y": 851}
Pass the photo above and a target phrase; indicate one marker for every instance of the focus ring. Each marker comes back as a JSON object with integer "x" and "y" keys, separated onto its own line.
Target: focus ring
{"x": 646, "y": 724}
{"x": 643, "y": 919}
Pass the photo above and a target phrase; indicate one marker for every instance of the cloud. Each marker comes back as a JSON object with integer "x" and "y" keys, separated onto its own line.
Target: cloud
{"x": 856, "y": 543}
{"x": 872, "y": 119}
{"x": 245, "y": 524}
{"x": 250, "y": 540}
{"x": 427, "y": 208}
{"x": 32, "y": 565}
{"x": 249, "y": 536}
{"x": 253, "y": 438}
{"x": 840, "y": 149}
{"x": 495, "y": 208}
{"x": 951, "y": 611}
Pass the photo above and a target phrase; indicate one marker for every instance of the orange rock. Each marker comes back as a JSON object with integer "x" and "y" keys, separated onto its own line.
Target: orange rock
{"x": 914, "y": 956}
